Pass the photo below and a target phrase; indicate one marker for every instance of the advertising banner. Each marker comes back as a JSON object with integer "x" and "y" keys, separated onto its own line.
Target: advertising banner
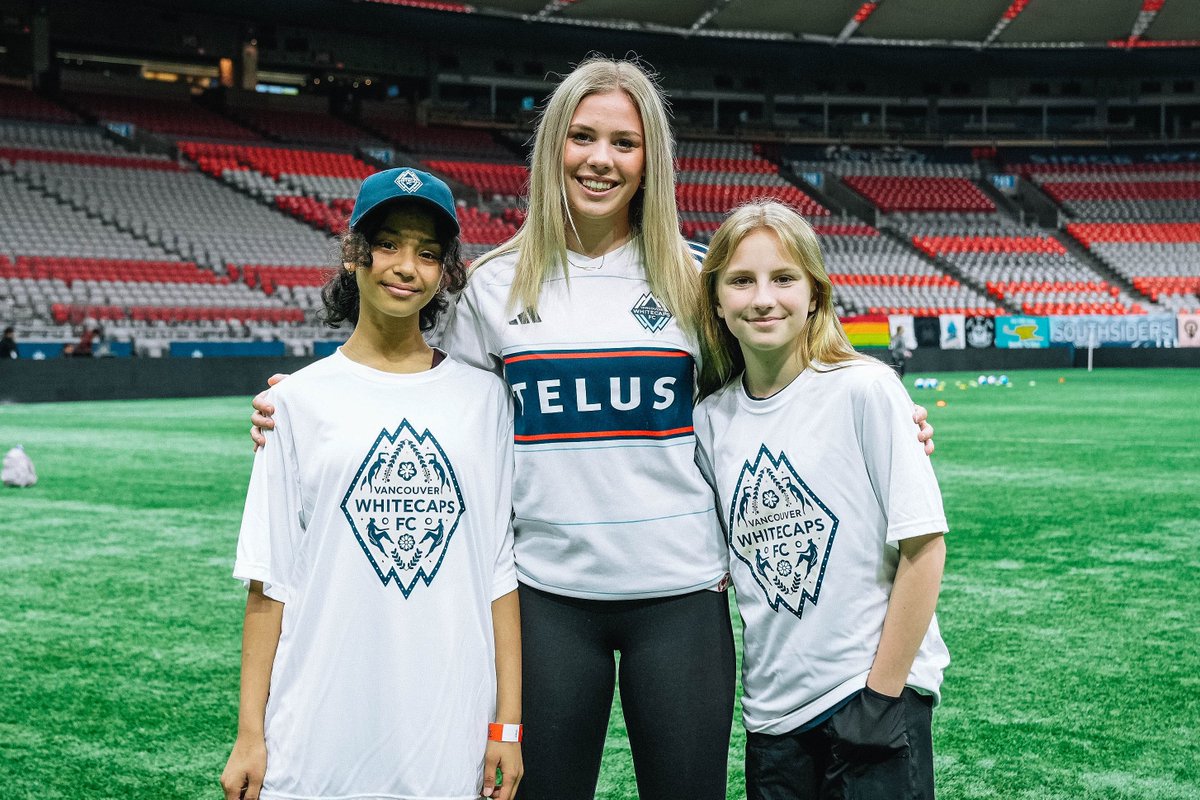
{"x": 1189, "y": 330}
{"x": 953, "y": 334}
{"x": 928, "y": 331}
{"x": 981, "y": 331}
{"x": 867, "y": 330}
{"x": 1022, "y": 332}
{"x": 1134, "y": 330}
{"x": 221, "y": 349}
{"x": 39, "y": 351}
{"x": 326, "y": 347}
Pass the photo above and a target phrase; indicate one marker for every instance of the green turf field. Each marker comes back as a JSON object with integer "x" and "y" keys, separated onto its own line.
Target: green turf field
{"x": 1070, "y": 603}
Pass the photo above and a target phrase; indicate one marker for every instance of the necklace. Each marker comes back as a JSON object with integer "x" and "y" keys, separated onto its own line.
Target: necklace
{"x": 588, "y": 266}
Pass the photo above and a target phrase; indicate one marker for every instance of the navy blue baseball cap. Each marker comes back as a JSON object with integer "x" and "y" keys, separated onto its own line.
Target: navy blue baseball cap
{"x": 405, "y": 183}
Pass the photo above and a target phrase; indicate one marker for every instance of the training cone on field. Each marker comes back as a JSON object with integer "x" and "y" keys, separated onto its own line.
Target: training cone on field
{"x": 18, "y": 468}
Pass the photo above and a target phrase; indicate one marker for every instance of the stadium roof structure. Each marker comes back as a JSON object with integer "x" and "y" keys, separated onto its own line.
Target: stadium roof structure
{"x": 975, "y": 24}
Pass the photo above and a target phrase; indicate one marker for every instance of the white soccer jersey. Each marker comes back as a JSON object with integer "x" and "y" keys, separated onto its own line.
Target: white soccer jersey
{"x": 817, "y": 485}
{"x": 379, "y": 513}
{"x": 608, "y": 501}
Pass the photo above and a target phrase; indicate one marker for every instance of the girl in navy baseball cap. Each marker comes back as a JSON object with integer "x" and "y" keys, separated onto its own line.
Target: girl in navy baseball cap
{"x": 381, "y": 196}
{"x": 376, "y": 544}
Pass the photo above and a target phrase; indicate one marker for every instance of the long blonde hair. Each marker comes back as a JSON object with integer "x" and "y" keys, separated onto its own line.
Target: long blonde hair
{"x": 823, "y": 338}
{"x": 541, "y": 242}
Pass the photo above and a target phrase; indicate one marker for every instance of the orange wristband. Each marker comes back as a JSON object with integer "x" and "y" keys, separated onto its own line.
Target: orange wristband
{"x": 505, "y": 732}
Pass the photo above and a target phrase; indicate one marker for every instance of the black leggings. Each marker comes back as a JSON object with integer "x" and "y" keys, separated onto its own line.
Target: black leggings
{"x": 677, "y": 683}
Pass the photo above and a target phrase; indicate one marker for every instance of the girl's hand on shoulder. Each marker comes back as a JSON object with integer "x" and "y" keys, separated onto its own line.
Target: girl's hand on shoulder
{"x": 507, "y": 757}
{"x": 243, "y": 775}
{"x": 261, "y": 420}
{"x": 925, "y": 430}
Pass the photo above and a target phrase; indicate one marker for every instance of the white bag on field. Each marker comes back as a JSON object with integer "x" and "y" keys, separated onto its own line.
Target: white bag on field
{"x": 18, "y": 468}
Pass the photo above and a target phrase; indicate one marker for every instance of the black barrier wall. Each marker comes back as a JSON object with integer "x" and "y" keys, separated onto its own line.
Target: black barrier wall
{"x": 989, "y": 360}
{"x": 123, "y": 379}
{"x": 130, "y": 378}
{"x": 1140, "y": 357}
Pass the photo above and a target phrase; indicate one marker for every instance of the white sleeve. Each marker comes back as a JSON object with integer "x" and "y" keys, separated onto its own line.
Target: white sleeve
{"x": 271, "y": 522}
{"x": 702, "y": 422}
{"x": 900, "y": 472}
{"x": 466, "y": 334}
{"x": 504, "y": 575}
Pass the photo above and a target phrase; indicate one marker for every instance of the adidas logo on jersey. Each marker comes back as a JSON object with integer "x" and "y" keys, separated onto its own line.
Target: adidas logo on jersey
{"x": 525, "y": 318}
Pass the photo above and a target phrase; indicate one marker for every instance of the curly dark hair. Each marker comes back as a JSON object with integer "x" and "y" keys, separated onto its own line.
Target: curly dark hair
{"x": 340, "y": 292}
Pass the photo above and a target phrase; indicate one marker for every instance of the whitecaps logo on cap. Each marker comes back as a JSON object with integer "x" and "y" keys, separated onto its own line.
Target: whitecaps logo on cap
{"x": 408, "y": 181}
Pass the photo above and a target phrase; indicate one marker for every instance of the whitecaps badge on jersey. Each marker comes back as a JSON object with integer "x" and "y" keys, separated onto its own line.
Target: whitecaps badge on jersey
{"x": 404, "y": 505}
{"x": 781, "y": 531}
{"x": 651, "y": 313}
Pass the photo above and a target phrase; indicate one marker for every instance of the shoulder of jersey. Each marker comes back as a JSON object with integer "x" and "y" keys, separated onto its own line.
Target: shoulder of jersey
{"x": 697, "y": 250}
{"x": 498, "y": 270}
{"x": 726, "y": 393}
{"x": 318, "y": 370}
{"x": 480, "y": 380}
{"x": 312, "y": 377}
{"x": 865, "y": 375}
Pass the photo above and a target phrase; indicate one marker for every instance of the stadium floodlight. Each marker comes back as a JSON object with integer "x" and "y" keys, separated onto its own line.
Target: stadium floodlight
{"x": 860, "y": 16}
{"x": 704, "y": 18}
{"x": 1011, "y": 13}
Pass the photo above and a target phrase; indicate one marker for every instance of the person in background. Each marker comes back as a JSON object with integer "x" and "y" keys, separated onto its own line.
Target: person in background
{"x": 899, "y": 350}
{"x": 87, "y": 339}
{"x": 8, "y": 344}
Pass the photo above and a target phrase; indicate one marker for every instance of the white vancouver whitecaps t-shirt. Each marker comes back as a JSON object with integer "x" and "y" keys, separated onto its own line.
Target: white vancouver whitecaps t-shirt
{"x": 379, "y": 514}
{"x": 817, "y": 486}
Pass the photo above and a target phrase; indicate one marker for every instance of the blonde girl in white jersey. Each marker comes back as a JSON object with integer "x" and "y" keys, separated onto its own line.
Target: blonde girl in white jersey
{"x": 834, "y": 524}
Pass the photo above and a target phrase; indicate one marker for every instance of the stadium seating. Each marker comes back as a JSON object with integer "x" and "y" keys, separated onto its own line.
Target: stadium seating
{"x": 280, "y": 161}
{"x": 874, "y": 273}
{"x": 179, "y": 117}
{"x": 713, "y": 178}
{"x": 497, "y": 179}
{"x": 884, "y": 168}
{"x": 57, "y": 137}
{"x": 890, "y": 193}
{"x": 20, "y": 103}
{"x": 1120, "y": 192}
{"x": 35, "y": 224}
{"x": 304, "y": 127}
{"x": 435, "y": 141}
{"x": 1161, "y": 260}
{"x": 1032, "y": 273}
{"x": 181, "y": 212}
{"x": 234, "y": 239}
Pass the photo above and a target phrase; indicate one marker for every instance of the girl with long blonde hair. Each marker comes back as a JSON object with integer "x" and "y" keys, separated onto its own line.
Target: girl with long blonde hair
{"x": 833, "y": 520}
{"x": 589, "y": 311}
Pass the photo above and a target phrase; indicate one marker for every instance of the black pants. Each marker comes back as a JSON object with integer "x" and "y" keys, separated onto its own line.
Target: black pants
{"x": 876, "y": 748}
{"x": 676, "y": 681}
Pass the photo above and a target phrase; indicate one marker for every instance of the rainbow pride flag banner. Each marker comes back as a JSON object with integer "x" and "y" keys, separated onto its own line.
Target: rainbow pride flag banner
{"x": 867, "y": 330}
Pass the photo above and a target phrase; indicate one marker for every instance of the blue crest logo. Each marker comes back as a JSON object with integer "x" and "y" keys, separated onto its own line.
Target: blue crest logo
{"x": 652, "y": 314}
{"x": 408, "y": 181}
{"x": 404, "y": 506}
{"x": 781, "y": 531}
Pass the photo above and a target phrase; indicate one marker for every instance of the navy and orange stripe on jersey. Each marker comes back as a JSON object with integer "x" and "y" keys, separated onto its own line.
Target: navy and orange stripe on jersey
{"x": 611, "y": 394}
